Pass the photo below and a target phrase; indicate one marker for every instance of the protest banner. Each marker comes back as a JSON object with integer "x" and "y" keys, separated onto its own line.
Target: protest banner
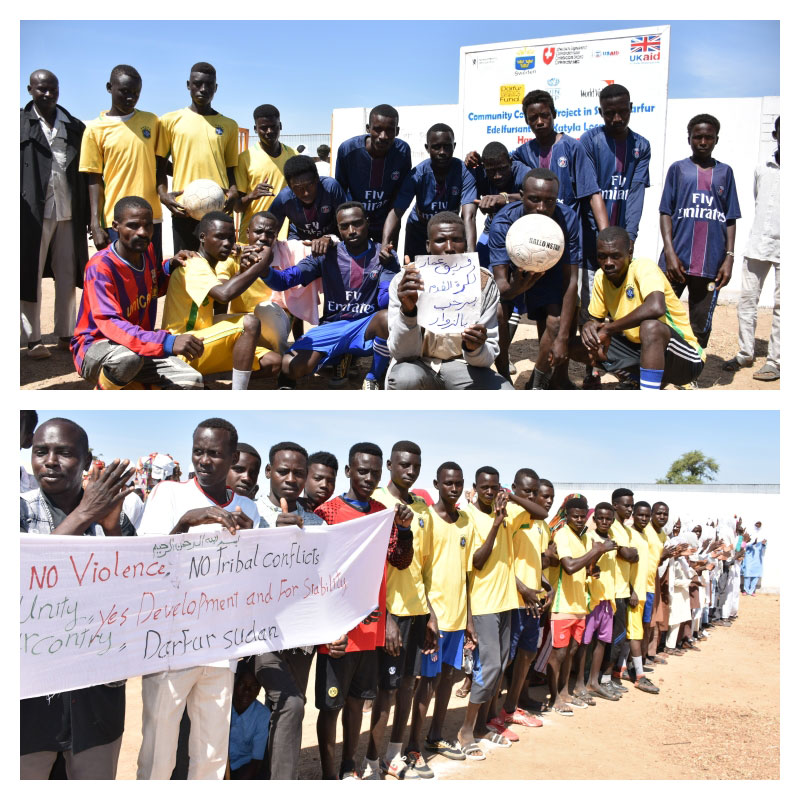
{"x": 95, "y": 610}
{"x": 451, "y": 300}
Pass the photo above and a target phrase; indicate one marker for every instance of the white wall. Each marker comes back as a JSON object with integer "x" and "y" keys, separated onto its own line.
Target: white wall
{"x": 745, "y": 141}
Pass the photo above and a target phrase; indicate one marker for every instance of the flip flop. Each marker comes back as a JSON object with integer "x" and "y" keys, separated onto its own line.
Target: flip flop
{"x": 565, "y": 712}
{"x": 472, "y": 751}
{"x": 462, "y": 692}
{"x": 576, "y": 702}
{"x": 496, "y": 738}
{"x": 586, "y": 697}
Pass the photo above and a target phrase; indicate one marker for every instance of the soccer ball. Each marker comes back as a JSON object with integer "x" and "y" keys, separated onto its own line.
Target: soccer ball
{"x": 202, "y": 196}
{"x": 535, "y": 242}
{"x": 275, "y": 326}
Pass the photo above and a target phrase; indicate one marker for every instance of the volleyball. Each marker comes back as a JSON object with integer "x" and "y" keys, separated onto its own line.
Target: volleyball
{"x": 535, "y": 242}
{"x": 202, "y": 196}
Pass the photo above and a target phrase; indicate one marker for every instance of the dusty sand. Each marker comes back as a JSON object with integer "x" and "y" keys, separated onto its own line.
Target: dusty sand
{"x": 58, "y": 372}
{"x": 720, "y": 702}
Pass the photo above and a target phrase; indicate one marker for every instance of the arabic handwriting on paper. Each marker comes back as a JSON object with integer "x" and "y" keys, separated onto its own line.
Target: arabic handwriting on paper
{"x": 452, "y": 297}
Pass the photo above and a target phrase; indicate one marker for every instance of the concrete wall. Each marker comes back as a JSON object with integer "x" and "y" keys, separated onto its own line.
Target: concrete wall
{"x": 745, "y": 141}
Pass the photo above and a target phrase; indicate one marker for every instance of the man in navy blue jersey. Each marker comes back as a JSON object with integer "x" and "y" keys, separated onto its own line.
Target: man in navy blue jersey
{"x": 440, "y": 183}
{"x": 355, "y": 283}
{"x": 371, "y": 168}
{"x": 310, "y": 202}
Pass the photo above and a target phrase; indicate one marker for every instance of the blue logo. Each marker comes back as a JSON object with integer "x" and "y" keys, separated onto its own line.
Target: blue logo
{"x": 463, "y": 541}
{"x": 146, "y": 132}
{"x": 629, "y": 293}
{"x": 219, "y": 130}
{"x": 421, "y": 522}
{"x": 553, "y": 81}
{"x": 525, "y": 62}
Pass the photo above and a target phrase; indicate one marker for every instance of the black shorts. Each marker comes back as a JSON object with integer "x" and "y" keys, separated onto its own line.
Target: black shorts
{"x": 392, "y": 669}
{"x": 682, "y": 363}
{"x": 352, "y": 675}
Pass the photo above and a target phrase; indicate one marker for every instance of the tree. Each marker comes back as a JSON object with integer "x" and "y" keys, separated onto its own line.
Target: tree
{"x": 691, "y": 467}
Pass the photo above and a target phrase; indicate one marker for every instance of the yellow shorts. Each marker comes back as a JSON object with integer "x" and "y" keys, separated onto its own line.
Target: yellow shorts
{"x": 635, "y": 628}
{"x": 218, "y": 342}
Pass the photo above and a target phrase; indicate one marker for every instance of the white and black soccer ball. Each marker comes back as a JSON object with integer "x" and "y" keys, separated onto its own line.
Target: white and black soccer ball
{"x": 202, "y": 196}
{"x": 535, "y": 242}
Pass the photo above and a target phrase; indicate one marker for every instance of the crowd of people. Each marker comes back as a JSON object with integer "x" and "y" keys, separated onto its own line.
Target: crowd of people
{"x": 235, "y": 296}
{"x": 478, "y": 584}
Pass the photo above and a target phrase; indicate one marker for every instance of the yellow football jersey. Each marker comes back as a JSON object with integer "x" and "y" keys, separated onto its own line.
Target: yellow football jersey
{"x": 527, "y": 543}
{"x": 201, "y": 147}
{"x": 621, "y": 534}
{"x": 642, "y": 278}
{"x": 604, "y": 586}
{"x": 405, "y": 588}
{"x": 655, "y": 546}
{"x": 570, "y": 590}
{"x": 640, "y": 569}
{"x": 124, "y": 153}
{"x": 188, "y": 307}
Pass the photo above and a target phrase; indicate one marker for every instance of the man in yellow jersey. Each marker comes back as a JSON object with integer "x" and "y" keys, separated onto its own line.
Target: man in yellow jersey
{"x": 259, "y": 171}
{"x": 203, "y": 144}
{"x": 602, "y": 588}
{"x": 649, "y": 339}
{"x": 533, "y": 594}
{"x": 408, "y": 631}
{"x": 257, "y": 298}
{"x": 568, "y": 616}
{"x": 493, "y": 595}
{"x": 654, "y": 533}
{"x": 118, "y": 153}
{"x": 230, "y": 343}
{"x": 637, "y": 600}
{"x": 622, "y": 501}
{"x": 445, "y": 578}
{"x": 658, "y": 522}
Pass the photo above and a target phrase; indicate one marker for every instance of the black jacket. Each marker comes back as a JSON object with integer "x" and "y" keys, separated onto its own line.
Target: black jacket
{"x": 35, "y": 164}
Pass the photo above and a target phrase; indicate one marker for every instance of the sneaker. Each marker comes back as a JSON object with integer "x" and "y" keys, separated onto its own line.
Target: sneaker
{"x": 63, "y": 344}
{"x": 691, "y": 386}
{"x": 370, "y": 385}
{"x": 397, "y": 768}
{"x": 285, "y": 382}
{"x": 616, "y": 682}
{"x": 370, "y": 774}
{"x": 348, "y": 773}
{"x": 646, "y": 685}
{"x": 417, "y": 766}
{"x": 519, "y": 717}
{"x": 38, "y": 351}
{"x": 445, "y": 748}
{"x": 339, "y": 378}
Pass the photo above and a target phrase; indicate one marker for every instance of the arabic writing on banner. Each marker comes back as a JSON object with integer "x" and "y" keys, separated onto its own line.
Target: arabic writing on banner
{"x": 95, "y": 610}
{"x": 452, "y": 297}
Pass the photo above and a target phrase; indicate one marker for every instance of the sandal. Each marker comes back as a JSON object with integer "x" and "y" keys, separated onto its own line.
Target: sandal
{"x": 586, "y": 697}
{"x": 463, "y": 691}
{"x": 445, "y": 748}
{"x": 576, "y": 702}
{"x": 472, "y": 751}
{"x": 767, "y": 373}
{"x": 498, "y": 727}
{"x": 496, "y": 738}
{"x": 565, "y": 711}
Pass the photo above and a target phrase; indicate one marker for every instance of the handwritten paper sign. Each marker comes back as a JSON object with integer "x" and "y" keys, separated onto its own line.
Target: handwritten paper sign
{"x": 452, "y": 297}
{"x": 98, "y": 610}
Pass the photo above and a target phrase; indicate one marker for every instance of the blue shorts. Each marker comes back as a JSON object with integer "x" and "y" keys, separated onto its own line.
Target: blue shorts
{"x": 451, "y": 651}
{"x": 337, "y": 339}
{"x": 548, "y": 290}
{"x": 524, "y": 632}
{"x": 648, "y": 608}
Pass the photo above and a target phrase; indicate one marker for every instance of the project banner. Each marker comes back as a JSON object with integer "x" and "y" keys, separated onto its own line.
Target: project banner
{"x": 96, "y": 610}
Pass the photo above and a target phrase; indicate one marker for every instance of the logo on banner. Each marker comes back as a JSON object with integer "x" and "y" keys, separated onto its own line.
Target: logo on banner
{"x": 511, "y": 94}
{"x": 553, "y": 81}
{"x": 524, "y": 63}
{"x": 646, "y": 48}
{"x": 548, "y": 55}
{"x": 604, "y": 53}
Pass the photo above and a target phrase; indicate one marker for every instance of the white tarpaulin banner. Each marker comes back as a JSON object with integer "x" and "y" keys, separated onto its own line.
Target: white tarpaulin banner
{"x": 494, "y": 78}
{"x": 99, "y": 610}
{"x": 451, "y": 300}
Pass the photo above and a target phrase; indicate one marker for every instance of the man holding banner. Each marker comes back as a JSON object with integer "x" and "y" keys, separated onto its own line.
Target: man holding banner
{"x": 86, "y": 724}
{"x": 205, "y": 503}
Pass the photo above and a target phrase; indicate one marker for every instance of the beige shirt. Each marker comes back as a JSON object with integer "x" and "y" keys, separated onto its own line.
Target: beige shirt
{"x": 764, "y": 243}
{"x": 58, "y": 199}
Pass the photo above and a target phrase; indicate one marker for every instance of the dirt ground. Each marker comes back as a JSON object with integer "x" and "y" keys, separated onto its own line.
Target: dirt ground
{"x": 714, "y": 705}
{"x": 58, "y": 372}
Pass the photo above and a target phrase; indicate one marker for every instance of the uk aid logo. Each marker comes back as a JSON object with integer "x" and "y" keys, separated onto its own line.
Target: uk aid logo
{"x": 646, "y": 48}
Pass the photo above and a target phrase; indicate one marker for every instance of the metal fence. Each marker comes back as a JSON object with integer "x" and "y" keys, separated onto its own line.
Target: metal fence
{"x": 310, "y": 140}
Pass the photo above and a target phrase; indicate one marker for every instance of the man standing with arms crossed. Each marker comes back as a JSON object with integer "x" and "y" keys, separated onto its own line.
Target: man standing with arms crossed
{"x": 203, "y": 144}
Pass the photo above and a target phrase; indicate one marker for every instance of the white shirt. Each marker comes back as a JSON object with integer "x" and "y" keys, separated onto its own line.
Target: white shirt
{"x": 133, "y": 506}
{"x": 323, "y": 168}
{"x": 764, "y": 243}
{"x": 170, "y": 500}
{"x": 26, "y": 480}
{"x": 58, "y": 199}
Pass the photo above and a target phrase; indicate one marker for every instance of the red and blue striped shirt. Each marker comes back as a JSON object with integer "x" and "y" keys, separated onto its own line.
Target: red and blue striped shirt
{"x": 119, "y": 304}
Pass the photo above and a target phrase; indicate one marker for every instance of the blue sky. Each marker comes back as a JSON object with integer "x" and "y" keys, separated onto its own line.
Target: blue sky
{"x": 376, "y": 61}
{"x": 581, "y": 446}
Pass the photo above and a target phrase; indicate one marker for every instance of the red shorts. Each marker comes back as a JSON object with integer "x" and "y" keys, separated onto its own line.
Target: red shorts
{"x": 563, "y": 629}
